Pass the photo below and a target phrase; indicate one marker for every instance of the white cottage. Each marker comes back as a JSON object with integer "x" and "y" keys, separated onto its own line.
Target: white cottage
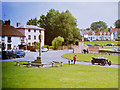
{"x": 10, "y": 37}
{"x": 32, "y": 34}
{"x": 97, "y": 35}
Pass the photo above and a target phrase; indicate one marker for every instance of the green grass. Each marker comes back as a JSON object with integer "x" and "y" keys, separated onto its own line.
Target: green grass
{"x": 68, "y": 76}
{"x": 101, "y": 42}
{"x": 88, "y": 57}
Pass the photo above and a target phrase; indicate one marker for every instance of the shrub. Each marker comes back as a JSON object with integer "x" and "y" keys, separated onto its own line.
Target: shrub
{"x": 57, "y": 42}
{"x": 51, "y": 47}
{"x": 45, "y": 46}
{"x": 117, "y": 39}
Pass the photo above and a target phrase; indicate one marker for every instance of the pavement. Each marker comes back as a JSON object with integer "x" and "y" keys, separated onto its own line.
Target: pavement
{"x": 50, "y": 56}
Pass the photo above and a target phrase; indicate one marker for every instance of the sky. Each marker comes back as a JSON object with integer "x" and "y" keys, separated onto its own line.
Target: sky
{"x": 85, "y": 12}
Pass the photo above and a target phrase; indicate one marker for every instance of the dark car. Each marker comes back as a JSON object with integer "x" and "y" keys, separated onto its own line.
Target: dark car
{"x": 96, "y": 45}
{"x": 100, "y": 60}
{"x": 89, "y": 44}
{"x": 118, "y": 44}
{"x": 8, "y": 55}
{"x": 20, "y": 54}
{"x": 110, "y": 44}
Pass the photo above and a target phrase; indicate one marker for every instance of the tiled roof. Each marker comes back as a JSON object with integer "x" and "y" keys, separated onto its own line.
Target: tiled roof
{"x": 30, "y": 27}
{"x": 8, "y": 30}
{"x": 98, "y": 32}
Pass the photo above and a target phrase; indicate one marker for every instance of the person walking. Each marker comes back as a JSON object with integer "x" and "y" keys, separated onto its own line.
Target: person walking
{"x": 74, "y": 58}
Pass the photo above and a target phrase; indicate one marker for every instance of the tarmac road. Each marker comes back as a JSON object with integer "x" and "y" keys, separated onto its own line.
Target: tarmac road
{"x": 49, "y": 56}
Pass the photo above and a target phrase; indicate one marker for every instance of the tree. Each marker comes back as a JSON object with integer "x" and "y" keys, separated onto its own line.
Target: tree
{"x": 33, "y": 22}
{"x": 58, "y": 24}
{"x": 66, "y": 26}
{"x": 117, "y": 23}
{"x": 57, "y": 42}
{"x": 48, "y": 23}
{"x": 100, "y": 24}
{"x": 1, "y": 22}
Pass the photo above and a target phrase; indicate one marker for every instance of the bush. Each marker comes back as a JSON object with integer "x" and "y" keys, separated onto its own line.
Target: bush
{"x": 45, "y": 46}
{"x": 57, "y": 42}
{"x": 117, "y": 39}
{"x": 51, "y": 47}
{"x": 38, "y": 45}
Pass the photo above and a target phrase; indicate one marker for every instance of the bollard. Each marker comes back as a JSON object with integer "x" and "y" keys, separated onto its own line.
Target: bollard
{"x": 69, "y": 62}
{"x": 61, "y": 64}
{"x": 17, "y": 63}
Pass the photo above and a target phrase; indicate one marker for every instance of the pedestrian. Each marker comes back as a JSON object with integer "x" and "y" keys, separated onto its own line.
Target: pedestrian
{"x": 74, "y": 58}
{"x": 109, "y": 53}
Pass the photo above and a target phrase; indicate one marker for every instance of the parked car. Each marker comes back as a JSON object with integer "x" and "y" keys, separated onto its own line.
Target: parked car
{"x": 44, "y": 49}
{"x": 118, "y": 44}
{"x": 89, "y": 44}
{"x": 96, "y": 45}
{"x": 20, "y": 54}
{"x": 8, "y": 54}
{"x": 110, "y": 44}
{"x": 100, "y": 60}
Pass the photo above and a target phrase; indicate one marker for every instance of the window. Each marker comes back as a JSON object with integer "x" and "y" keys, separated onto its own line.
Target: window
{"x": 29, "y": 44}
{"x": 34, "y": 30}
{"x": 9, "y": 46}
{"x": 28, "y": 30}
{"x": 34, "y": 37}
{"x": 29, "y": 37}
{"x": 9, "y": 39}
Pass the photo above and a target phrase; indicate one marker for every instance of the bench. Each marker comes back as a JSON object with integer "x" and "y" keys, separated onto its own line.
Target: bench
{"x": 55, "y": 63}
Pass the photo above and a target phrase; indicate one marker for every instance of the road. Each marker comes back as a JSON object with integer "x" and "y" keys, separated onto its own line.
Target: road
{"x": 49, "y": 56}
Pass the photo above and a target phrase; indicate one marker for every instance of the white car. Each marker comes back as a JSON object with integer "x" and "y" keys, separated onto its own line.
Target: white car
{"x": 44, "y": 49}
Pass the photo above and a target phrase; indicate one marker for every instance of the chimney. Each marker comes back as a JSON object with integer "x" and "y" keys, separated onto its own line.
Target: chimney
{"x": 18, "y": 24}
{"x": 7, "y": 22}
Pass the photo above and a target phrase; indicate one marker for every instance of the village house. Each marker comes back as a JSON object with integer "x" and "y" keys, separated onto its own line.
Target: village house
{"x": 116, "y": 32}
{"x": 100, "y": 35}
{"x": 32, "y": 34}
{"x": 10, "y": 36}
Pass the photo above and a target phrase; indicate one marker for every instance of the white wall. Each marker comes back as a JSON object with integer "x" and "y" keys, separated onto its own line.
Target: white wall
{"x": 15, "y": 41}
{"x": 32, "y": 33}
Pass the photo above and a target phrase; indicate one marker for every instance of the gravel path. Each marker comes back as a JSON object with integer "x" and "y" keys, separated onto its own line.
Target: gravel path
{"x": 49, "y": 56}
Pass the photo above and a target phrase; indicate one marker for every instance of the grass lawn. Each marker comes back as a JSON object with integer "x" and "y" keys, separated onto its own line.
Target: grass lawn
{"x": 88, "y": 57}
{"x": 68, "y": 76}
{"x": 101, "y": 42}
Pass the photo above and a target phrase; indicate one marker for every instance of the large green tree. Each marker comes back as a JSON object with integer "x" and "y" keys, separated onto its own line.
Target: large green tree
{"x": 100, "y": 24}
{"x": 48, "y": 23}
{"x": 66, "y": 26}
{"x": 117, "y": 23}
{"x": 33, "y": 22}
{"x": 57, "y": 24}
